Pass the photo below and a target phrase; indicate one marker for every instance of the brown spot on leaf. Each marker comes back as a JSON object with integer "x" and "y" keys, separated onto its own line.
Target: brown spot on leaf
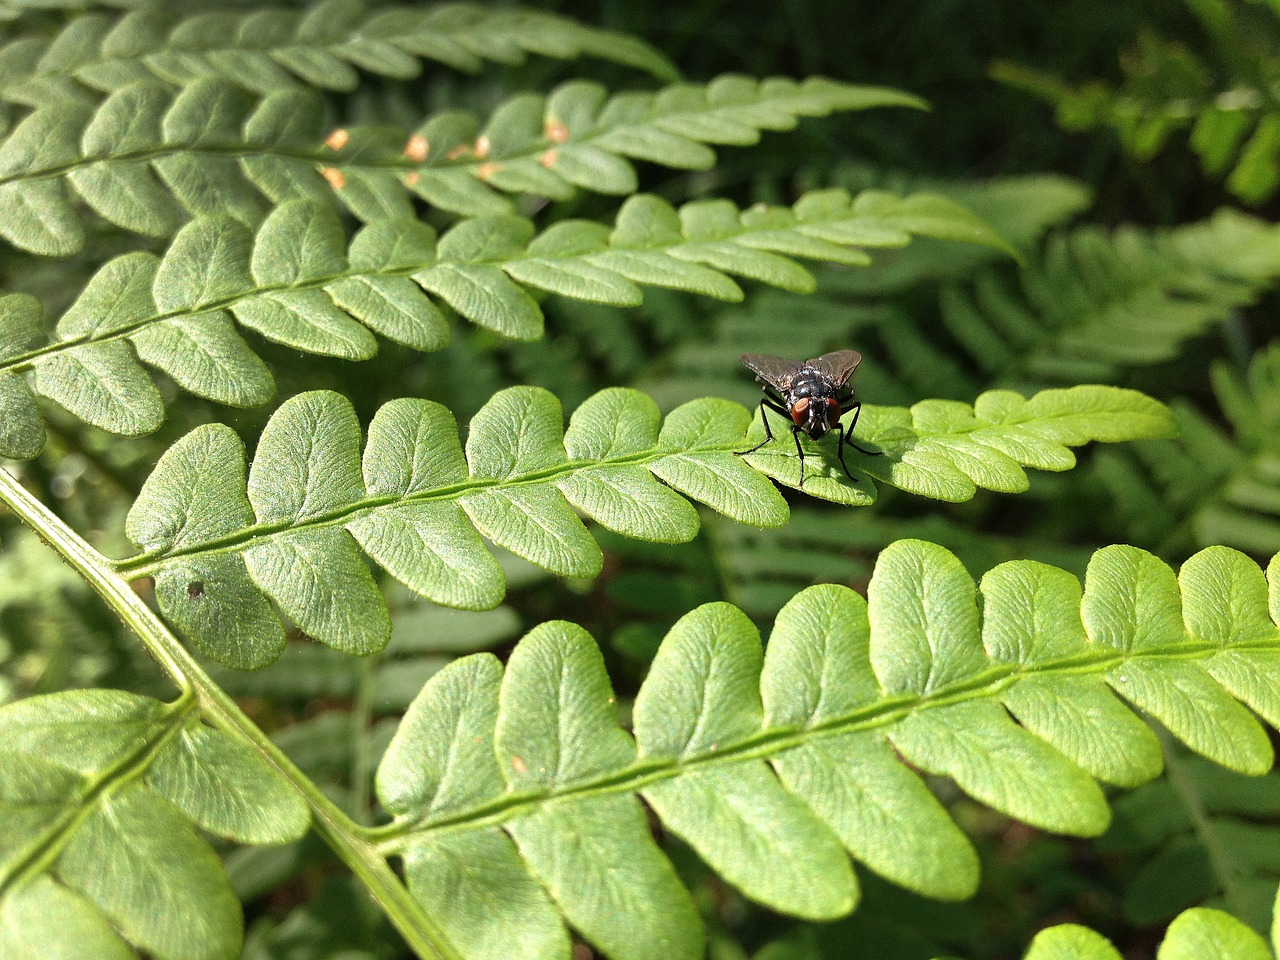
{"x": 195, "y": 590}
{"x": 556, "y": 131}
{"x": 417, "y": 147}
{"x": 518, "y": 765}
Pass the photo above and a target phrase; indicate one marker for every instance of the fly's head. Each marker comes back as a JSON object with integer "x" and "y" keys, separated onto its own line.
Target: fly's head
{"x": 815, "y": 415}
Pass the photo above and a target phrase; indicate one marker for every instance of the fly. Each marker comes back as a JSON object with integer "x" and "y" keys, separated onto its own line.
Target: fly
{"x": 813, "y": 394}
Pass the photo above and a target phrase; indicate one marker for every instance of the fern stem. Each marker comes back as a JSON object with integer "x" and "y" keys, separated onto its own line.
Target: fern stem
{"x": 361, "y": 749}
{"x": 1185, "y": 786}
{"x": 338, "y": 830}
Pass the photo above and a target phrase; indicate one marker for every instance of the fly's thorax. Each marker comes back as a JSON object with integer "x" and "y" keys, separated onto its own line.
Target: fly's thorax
{"x": 811, "y": 384}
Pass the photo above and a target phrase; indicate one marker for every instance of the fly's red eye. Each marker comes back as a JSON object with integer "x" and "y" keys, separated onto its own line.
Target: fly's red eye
{"x": 800, "y": 411}
{"x": 833, "y": 410}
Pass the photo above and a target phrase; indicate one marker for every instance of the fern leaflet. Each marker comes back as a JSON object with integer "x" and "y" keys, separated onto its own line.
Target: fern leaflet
{"x": 217, "y": 543}
{"x": 149, "y": 157}
{"x": 323, "y": 45}
{"x": 296, "y": 282}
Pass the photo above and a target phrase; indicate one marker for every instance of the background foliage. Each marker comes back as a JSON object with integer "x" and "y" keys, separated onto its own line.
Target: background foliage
{"x": 1128, "y": 152}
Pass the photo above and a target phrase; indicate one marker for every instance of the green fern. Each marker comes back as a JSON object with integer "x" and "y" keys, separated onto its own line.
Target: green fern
{"x": 513, "y": 791}
{"x": 1200, "y": 834}
{"x": 1093, "y": 305}
{"x": 109, "y": 785}
{"x": 295, "y": 283}
{"x": 1199, "y": 934}
{"x": 533, "y": 755}
{"x": 1221, "y": 96}
{"x": 149, "y": 157}
{"x": 1207, "y": 486}
{"x": 272, "y": 48}
{"x": 418, "y": 507}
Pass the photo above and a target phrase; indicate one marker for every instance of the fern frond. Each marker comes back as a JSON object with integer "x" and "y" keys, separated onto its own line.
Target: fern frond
{"x": 219, "y": 545}
{"x": 1201, "y": 834}
{"x": 1223, "y": 102}
{"x": 1094, "y": 304}
{"x": 296, "y": 282}
{"x": 324, "y": 45}
{"x": 1208, "y": 486}
{"x": 102, "y": 793}
{"x": 149, "y": 157}
{"x": 751, "y": 757}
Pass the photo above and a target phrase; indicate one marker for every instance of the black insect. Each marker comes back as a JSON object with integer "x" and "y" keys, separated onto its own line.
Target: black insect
{"x": 813, "y": 393}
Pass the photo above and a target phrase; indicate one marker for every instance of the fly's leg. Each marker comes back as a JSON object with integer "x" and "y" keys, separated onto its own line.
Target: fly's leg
{"x": 795, "y": 435}
{"x": 768, "y": 433}
{"x": 857, "y": 409}
{"x": 844, "y": 438}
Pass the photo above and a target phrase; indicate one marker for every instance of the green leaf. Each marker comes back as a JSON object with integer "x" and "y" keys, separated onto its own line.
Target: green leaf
{"x": 44, "y": 919}
{"x": 441, "y": 758}
{"x": 107, "y": 781}
{"x": 1211, "y": 935}
{"x": 556, "y": 722}
{"x": 433, "y": 550}
{"x": 854, "y": 782}
{"x": 195, "y": 493}
{"x": 308, "y": 457}
{"x": 1068, "y": 941}
{"x": 149, "y": 872}
{"x": 635, "y": 908}
{"x": 224, "y": 785}
{"x": 204, "y": 355}
{"x": 515, "y": 486}
{"x": 484, "y": 896}
{"x": 322, "y": 584}
{"x": 293, "y": 283}
{"x": 1124, "y": 617}
{"x": 842, "y": 679}
{"x": 103, "y": 385}
{"x": 213, "y": 600}
{"x": 207, "y": 263}
{"x": 22, "y": 433}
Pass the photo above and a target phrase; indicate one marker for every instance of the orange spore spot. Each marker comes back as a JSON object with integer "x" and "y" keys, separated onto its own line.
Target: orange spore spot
{"x": 482, "y": 147}
{"x": 417, "y": 147}
{"x": 548, "y": 158}
{"x": 411, "y": 178}
{"x": 337, "y": 140}
{"x": 518, "y": 765}
{"x": 334, "y": 176}
{"x": 487, "y": 170}
{"x": 556, "y": 131}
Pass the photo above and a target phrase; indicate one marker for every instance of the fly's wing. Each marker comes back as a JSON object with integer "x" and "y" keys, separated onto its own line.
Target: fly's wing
{"x": 775, "y": 371}
{"x": 838, "y": 366}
